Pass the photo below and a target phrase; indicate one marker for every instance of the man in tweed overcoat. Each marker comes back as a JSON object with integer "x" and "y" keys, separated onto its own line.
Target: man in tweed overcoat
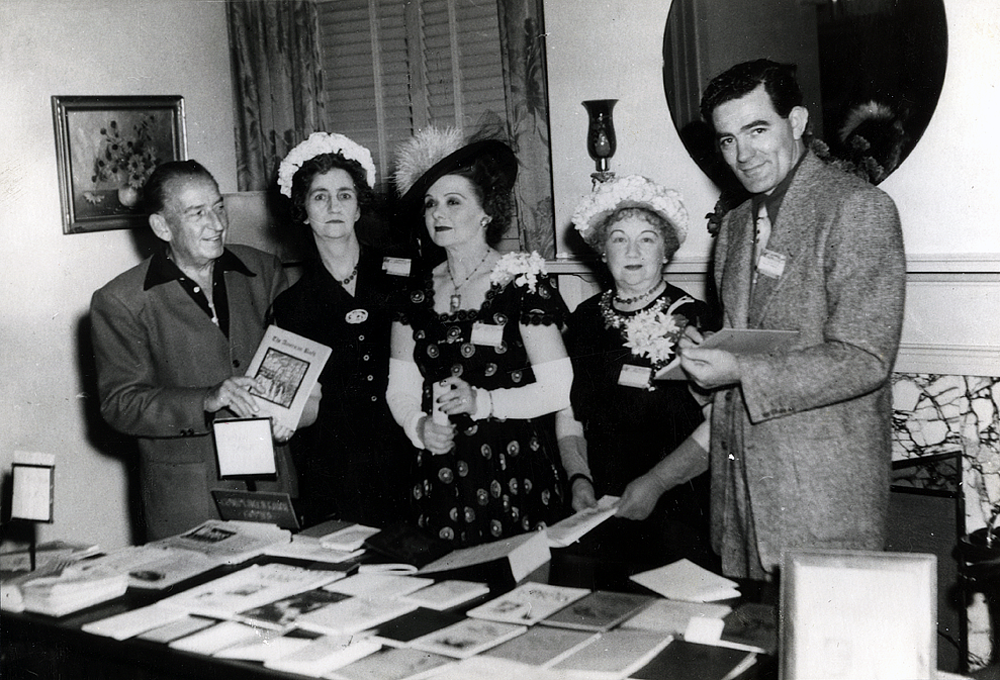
{"x": 800, "y": 445}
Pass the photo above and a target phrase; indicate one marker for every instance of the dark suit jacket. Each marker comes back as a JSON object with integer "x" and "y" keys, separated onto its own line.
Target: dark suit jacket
{"x": 158, "y": 355}
{"x": 812, "y": 425}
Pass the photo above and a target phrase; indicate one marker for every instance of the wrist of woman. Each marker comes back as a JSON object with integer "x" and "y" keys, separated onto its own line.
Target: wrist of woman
{"x": 579, "y": 476}
{"x": 484, "y": 405}
{"x": 414, "y": 428}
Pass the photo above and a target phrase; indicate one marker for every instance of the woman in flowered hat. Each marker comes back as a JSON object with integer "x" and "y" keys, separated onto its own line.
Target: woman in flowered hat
{"x": 619, "y": 436}
{"x": 477, "y": 356}
{"x": 349, "y": 460}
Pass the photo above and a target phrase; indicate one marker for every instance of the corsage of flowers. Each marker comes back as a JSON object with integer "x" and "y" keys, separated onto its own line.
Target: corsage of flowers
{"x": 652, "y": 333}
{"x": 521, "y": 268}
{"x": 631, "y": 191}
{"x": 319, "y": 143}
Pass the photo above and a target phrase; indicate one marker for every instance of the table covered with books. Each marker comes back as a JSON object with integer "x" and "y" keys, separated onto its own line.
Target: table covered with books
{"x": 230, "y": 599}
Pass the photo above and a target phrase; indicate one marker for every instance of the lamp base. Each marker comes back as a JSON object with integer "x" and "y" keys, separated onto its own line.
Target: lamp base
{"x": 601, "y": 176}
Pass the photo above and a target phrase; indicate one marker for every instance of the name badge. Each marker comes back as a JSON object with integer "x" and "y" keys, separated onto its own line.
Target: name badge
{"x": 396, "y": 266}
{"x": 771, "y": 264}
{"x": 634, "y": 376}
{"x": 487, "y": 334}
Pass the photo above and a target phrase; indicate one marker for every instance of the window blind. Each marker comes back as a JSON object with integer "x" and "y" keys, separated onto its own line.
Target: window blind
{"x": 392, "y": 67}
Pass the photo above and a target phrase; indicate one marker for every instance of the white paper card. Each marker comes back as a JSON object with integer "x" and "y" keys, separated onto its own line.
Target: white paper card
{"x": 244, "y": 447}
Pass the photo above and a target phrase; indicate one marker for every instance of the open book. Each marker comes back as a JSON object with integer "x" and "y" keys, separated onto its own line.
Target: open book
{"x": 287, "y": 367}
{"x": 737, "y": 341}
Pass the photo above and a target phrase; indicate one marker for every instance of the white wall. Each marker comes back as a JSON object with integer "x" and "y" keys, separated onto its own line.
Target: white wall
{"x": 597, "y": 49}
{"x": 83, "y": 47}
{"x": 946, "y": 191}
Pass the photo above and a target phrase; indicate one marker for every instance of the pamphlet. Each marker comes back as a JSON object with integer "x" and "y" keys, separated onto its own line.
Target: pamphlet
{"x": 737, "y": 341}
{"x": 685, "y": 580}
{"x": 286, "y": 367}
{"x": 573, "y": 528}
{"x": 528, "y": 604}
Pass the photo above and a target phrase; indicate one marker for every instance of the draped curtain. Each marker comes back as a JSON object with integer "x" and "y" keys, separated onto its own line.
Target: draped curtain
{"x": 278, "y": 84}
{"x": 522, "y": 40}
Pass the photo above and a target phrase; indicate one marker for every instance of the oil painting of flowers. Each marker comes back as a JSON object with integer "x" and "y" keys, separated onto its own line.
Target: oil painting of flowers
{"x": 107, "y": 147}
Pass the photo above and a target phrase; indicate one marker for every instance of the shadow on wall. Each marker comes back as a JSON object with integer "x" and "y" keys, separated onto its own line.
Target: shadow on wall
{"x": 102, "y": 436}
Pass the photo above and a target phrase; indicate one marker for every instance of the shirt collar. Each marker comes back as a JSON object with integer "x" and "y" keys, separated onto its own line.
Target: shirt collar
{"x": 773, "y": 200}
{"x": 163, "y": 270}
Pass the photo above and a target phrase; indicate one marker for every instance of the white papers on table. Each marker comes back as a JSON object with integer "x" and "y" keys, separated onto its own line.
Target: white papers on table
{"x": 229, "y": 542}
{"x": 135, "y": 622}
{"x": 685, "y": 580}
{"x": 323, "y": 655}
{"x": 673, "y": 616}
{"x": 253, "y": 586}
{"x": 528, "y": 604}
{"x": 447, "y": 594}
{"x": 312, "y": 552}
{"x": 374, "y": 584}
{"x": 351, "y": 538}
{"x": 524, "y": 553}
{"x": 574, "y": 527}
{"x": 353, "y": 615}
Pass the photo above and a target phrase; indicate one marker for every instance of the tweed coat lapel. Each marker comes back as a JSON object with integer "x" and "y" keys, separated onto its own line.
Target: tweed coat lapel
{"x": 733, "y": 264}
{"x": 789, "y": 234}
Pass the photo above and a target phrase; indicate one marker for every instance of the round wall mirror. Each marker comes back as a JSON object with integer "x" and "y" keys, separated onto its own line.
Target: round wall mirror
{"x": 871, "y": 72}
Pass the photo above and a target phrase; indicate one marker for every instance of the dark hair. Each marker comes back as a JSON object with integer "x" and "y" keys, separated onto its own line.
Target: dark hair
{"x": 740, "y": 80}
{"x": 598, "y": 237}
{"x": 494, "y": 189}
{"x": 318, "y": 165}
{"x": 154, "y": 191}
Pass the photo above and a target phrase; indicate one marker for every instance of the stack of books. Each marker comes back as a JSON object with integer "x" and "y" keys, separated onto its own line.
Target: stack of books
{"x": 69, "y": 590}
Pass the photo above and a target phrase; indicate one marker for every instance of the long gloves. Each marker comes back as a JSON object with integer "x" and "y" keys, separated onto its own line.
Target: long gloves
{"x": 549, "y": 392}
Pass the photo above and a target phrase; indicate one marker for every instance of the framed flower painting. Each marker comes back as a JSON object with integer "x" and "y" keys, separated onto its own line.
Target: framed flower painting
{"x": 106, "y": 149}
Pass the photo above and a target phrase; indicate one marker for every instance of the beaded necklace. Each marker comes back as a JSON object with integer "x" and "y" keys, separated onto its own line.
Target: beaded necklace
{"x": 637, "y": 298}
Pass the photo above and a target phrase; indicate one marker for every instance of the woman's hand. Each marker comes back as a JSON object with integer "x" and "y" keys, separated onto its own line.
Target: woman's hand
{"x": 281, "y": 433}
{"x": 640, "y": 497}
{"x": 583, "y": 495}
{"x": 459, "y": 397}
{"x": 437, "y": 438}
{"x": 234, "y": 394}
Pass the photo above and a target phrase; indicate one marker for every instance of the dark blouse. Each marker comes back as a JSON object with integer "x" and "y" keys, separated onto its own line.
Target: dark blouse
{"x": 630, "y": 429}
{"x": 352, "y": 461}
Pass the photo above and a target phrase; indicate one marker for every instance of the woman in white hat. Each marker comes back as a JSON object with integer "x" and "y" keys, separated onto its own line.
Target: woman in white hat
{"x": 619, "y": 437}
{"x": 349, "y": 460}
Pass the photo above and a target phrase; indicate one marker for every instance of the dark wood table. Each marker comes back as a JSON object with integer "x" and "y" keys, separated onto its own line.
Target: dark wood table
{"x": 38, "y": 647}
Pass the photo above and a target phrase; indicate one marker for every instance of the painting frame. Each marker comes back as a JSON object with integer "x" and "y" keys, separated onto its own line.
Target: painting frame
{"x": 102, "y": 163}
{"x": 828, "y": 631}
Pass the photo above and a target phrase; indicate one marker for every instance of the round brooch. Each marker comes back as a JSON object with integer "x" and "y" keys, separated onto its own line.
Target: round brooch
{"x": 356, "y": 316}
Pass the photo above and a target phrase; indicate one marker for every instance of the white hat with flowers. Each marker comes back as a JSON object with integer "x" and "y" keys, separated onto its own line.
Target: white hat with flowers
{"x": 631, "y": 191}
{"x": 320, "y": 143}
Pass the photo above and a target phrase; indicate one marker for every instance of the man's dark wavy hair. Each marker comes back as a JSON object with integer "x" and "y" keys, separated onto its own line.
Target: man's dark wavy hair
{"x": 778, "y": 80}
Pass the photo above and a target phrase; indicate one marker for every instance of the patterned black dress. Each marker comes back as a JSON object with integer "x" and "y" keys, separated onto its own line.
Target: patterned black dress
{"x": 501, "y": 477}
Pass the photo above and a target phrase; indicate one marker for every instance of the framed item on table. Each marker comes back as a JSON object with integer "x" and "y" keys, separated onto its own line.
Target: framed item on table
{"x": 106, "y": 149}
{"x": 850, "y": 614}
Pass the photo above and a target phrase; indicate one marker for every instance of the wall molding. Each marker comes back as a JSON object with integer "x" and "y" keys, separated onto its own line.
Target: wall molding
{"x": 969, "y": 280}
{"x": 974, "y": 360}
{"x": 971, "y": 263}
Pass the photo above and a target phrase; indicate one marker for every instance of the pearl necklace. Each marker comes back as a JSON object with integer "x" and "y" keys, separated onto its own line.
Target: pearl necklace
{"x": 455, "y": 301}
{"x": 638, "y": 298}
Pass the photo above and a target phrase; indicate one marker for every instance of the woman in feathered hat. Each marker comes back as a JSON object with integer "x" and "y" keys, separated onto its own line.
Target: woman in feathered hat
{"x": 477, "y": 356}
{"x": 349, "y": 460}
{"x": 619, "y": 436}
